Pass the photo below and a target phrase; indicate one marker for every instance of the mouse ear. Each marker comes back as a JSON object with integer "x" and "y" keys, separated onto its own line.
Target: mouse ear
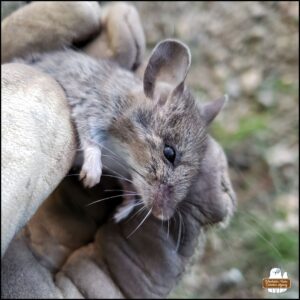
{"x": 169, "y": 64}
{"x": 210, "y": 110}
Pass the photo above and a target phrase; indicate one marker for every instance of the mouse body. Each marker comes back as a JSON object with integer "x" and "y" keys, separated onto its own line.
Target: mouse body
{"x": 151, "y": 133}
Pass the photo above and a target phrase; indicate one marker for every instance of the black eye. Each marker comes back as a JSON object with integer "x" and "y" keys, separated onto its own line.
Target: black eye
{"x": 169, "y": 153}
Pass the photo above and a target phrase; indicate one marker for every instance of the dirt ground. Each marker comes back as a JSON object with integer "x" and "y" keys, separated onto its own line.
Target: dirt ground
{"x": 248, "y": 50}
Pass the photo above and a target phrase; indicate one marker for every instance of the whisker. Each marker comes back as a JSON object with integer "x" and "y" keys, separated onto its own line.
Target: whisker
{"x": 183, "y": 225}
{"x": 147, "y": 215}
{"x": 100, "y": 200}
{"x": 116, "y": 156}
{"x": 72, "y": 175}
{"x": 140, "y": 210}
{"x": 107, "y": 175}
{"x": 138, "y": 202}
{"x": 179, "y": 233}
{"x": 125, "y": 167}
{"x": 126, "y": 191}
{"x": 229, "y": 245}
{"x": 116, "y": 160}
{"x": 168, "y": 228}
{"x": 115, "y": 172}
{"x": 260, "y": 225}
{"x": 264, "y": 239}
{"x": 174, "y": 217}
{"x": 133, "y": 205}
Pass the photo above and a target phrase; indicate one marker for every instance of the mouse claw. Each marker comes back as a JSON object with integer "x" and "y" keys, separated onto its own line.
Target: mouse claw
{"x": 91, "y": 170}
{"x": 90, "y": 175}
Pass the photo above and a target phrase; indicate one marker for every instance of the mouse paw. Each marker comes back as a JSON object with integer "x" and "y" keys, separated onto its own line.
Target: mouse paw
{"x": 90, "y": 174}
{"x": 91, "y": 170}
{"x": 123, "y": 211}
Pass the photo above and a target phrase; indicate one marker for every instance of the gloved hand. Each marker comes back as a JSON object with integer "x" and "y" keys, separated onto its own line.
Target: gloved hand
{"x": 68, "y": 249}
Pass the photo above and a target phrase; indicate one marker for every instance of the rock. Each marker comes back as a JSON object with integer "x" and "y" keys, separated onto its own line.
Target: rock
{"x": 280, "y": 155}
{"x": 238, "y": 63}
{"x": 257, "y": 10}
{"x": 192, "y": 280}
{"x": 233, "y": 87}
{"x": 220, "y": 54}
{"x": 290, "y": 8}
{"x": 257, "y": 33}
{"x": 229, "y": 280}
{"x": 292, "y": 222}
{"x": 289, "y": 204}
{"x": 251, "y": 80}
{"x": 266, "y": 98}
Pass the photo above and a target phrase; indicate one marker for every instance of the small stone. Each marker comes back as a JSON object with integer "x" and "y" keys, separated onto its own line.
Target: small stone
{"x": 281, "y": 155}
{"x": 290, "y": 8}
{"x": 233, "y": 87}
{"x": 229, "y": 280}
{"x": 266, "y": 98}
{"x": 220, "y": 54}
{"x": 257, "y": 10}
{"x": 257, "y": 33}
{"x": 251, "y": 80}
{"x": 238, "y": 63}
{"x": 291, "y": 222}
{"x": 221, "y": 72}
{"x": 287, "y": 202}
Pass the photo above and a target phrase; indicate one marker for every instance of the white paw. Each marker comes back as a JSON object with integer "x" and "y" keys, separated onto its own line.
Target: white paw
{"x": 91, "y": 170}
{"x": 90, "y": 175}
{"x": 122, "y": 213}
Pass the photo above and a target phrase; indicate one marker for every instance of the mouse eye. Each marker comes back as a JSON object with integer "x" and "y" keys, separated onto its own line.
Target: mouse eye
{"x": 169, "y": 154}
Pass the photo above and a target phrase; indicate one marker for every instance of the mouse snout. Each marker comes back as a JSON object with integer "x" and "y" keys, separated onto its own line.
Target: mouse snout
{"x": 162, "y": 207}
{"x": 164, "y": 190}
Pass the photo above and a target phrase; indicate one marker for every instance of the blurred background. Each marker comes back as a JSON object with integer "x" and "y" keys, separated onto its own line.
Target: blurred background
{"x": 248, "y": 50}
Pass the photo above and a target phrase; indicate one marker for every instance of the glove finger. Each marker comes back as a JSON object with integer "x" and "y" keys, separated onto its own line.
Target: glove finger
{"x": 123, "y": 39}
{"x": 43, "y": 26}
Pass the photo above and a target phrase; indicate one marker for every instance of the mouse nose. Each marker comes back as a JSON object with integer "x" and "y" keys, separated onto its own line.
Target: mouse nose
{"x": 161, "y": 201}
{"x": 165, "y": 189}
{"x": 163, "y": 192}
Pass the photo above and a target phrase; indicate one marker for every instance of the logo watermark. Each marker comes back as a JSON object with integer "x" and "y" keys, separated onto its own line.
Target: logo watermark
{"x": 277, "y": 282}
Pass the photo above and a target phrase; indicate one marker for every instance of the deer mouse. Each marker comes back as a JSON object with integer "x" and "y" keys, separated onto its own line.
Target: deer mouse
{"x": 153, "y": 126}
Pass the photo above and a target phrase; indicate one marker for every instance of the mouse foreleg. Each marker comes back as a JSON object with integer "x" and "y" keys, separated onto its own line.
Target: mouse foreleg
{"x": 91, "y": 169}
{"x": 125, "y": 208}
{"x": 128, "y": 204}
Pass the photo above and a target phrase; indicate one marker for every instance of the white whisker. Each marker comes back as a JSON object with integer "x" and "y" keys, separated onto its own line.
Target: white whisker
{"x": 100, "y": 200}
{"x": 139, "y": 211}
{"x": 120, "y": 163}
{"x": 179, "y": 232}
{"x": 168, "y": 228}
{"x": 126, "y": 191}
{"x": 72, "y": 175}
{"x": 107, "y": 175}
{"x": 140, "y": 223}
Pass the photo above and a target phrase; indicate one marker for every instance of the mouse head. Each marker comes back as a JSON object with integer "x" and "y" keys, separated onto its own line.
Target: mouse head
{"x": 166, "y": 132}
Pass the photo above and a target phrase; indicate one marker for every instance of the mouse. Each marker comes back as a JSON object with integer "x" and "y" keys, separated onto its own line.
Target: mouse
{"x": 149, "y": 132}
